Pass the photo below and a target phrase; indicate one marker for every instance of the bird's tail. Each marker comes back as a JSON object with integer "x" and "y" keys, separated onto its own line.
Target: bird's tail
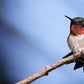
{"x": 79, "y": 62}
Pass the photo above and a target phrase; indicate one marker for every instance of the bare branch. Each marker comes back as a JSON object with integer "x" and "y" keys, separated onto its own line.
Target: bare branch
{"x": 49, "y": 68}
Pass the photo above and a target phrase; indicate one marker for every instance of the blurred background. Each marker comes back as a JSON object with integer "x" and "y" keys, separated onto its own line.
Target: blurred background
{"x": 33, "y": 34}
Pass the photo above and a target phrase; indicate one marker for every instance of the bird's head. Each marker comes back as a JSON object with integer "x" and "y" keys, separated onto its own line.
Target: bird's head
{"x": 77, "y": 25}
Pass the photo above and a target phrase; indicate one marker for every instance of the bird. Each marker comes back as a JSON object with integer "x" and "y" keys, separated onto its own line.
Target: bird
{"x": 75, "y": 40}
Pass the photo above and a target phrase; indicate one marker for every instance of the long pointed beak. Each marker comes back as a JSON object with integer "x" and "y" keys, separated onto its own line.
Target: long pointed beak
{"x": 69, "y": 18}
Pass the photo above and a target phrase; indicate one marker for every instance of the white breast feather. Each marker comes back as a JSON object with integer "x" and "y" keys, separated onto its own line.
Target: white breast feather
{"x": 76, "y": 43}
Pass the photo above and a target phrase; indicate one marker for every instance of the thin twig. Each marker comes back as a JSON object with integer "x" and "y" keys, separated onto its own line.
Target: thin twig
{"x": 49, "y": 68}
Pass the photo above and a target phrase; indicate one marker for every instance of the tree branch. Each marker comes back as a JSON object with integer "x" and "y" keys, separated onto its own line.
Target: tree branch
{"x": 49, "y": 68}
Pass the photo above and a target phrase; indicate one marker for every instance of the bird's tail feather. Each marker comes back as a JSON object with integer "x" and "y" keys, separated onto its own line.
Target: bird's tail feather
{"x": 79, "y": 63}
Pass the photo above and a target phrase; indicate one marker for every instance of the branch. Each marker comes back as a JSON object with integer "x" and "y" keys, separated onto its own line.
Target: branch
{"x": 49, "y": 68}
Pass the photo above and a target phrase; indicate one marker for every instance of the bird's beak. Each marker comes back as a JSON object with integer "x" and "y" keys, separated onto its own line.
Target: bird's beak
{"x": 69, "y": 18}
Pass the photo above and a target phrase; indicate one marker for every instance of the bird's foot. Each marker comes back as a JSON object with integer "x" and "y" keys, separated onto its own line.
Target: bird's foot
{"x": 81, "y": 53}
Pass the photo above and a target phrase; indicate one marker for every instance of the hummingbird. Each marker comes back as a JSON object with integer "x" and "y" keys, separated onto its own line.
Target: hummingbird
{"x": 75, "y": 40}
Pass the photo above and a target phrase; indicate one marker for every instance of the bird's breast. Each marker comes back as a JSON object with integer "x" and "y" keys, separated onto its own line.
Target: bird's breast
{"x": 76, "y": 43}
